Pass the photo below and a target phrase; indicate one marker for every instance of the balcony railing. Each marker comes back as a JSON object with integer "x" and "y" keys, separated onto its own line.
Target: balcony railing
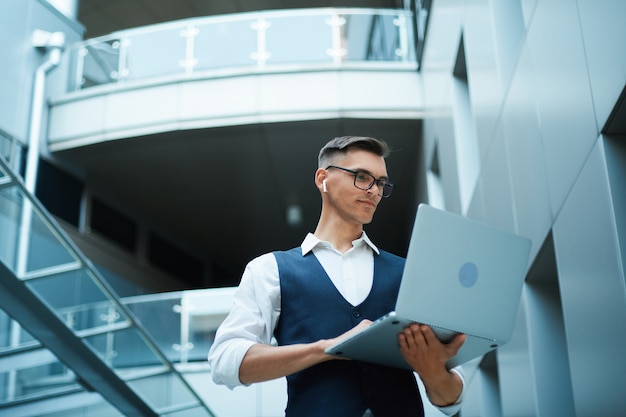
{"x": 249, "y": 42}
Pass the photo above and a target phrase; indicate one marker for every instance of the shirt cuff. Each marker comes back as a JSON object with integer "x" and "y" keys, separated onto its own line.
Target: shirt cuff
{"x": 452, "y": 409}
{"x": 226, "y": 361}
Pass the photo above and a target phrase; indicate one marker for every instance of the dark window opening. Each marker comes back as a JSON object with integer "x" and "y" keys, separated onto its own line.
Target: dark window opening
{"x": 177, "y": 262}
{"x": 59, "y": 192}
{"x": 114, "y": 225}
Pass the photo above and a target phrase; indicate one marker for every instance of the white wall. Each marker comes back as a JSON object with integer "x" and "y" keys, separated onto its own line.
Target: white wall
{"x": 543, "y": 78}
{"x": 18, "y": 20}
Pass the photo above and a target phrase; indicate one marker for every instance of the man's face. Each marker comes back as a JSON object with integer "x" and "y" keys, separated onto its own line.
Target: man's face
{"x": 349, "y": 202}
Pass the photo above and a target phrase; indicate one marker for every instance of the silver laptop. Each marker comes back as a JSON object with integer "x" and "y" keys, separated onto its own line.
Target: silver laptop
{"x": 460, "y": 276}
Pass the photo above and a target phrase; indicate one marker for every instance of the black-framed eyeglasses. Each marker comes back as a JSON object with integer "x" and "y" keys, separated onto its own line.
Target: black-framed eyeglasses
{"x": 365, "y": 181}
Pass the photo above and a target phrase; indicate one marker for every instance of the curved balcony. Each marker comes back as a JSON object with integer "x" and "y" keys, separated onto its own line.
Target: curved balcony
{"x": 304, "y": 64}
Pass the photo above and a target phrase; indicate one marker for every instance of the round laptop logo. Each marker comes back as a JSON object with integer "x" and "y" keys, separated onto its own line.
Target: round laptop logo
{"x": 468, "y": 274}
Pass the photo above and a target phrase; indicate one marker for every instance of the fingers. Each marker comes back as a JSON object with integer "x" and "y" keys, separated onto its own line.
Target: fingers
{"x": 422, "y": 334}
{"x": 412, "y": 337}
{"x": 429, "y": 335}
{"x": 456, "y": 343}
{"x": 411, "y": 333}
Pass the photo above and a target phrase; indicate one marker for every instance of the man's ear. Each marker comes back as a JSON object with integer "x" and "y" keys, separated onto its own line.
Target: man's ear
{"x": 320, "y": 179}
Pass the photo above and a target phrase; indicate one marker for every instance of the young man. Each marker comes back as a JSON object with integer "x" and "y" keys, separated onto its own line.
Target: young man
{"x": 335, "y": 283}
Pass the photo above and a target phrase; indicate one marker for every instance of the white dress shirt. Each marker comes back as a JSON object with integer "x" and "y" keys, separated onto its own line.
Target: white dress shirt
{"x": 256, "y": 303}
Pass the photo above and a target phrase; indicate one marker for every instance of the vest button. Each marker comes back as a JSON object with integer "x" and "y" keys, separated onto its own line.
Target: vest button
{"x": 356, "y": 313}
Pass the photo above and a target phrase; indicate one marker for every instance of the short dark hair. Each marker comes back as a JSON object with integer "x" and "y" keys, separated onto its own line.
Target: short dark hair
{"x": 341, "y": 145}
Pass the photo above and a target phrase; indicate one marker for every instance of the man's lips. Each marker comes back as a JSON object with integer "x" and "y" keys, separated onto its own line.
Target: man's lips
{"x": 369, "y": 203}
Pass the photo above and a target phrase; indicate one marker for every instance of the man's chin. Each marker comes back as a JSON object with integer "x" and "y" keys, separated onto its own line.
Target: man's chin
{"x": 368, "y": 221}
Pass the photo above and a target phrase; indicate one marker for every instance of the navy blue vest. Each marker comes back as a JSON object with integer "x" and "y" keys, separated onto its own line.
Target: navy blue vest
{"x": 313, "y": 309}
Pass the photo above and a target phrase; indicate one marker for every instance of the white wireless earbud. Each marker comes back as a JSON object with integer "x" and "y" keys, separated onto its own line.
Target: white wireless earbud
{"x": 324, "y": 186}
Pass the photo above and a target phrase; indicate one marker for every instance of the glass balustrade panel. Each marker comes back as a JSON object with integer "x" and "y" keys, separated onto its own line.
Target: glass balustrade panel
{"x": 96, "y": 407}
{"x": 29, "y": 242}
{"x": 225, "y": 44}
{"x": 12, "y": 335}
{"x": 127, "y": 353}
{"x": 189, "y": 412}
{"x": 164, "y": 391}
{"x": 298, "y": 39}
{"x": 3, "y": 174}
{"x": 162, "y": 320}
{"x": 25, "y": 381}
{"x": 99, "y": 61}
{"x": 253, "y": 41}
{"x": 376, "y": 37}
{"x": 82, "y": 304}
{"x": 154, "y": 53}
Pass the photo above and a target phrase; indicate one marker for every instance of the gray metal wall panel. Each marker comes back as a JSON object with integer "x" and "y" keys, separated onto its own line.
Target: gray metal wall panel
{"x": 592, "y": 289}
{"x": 602, "y": 24}
{"x": 485, "y": 89}
{"x": 515, "y": 372}
{"x": 546, "y": 337}
{"x": 526, "y": 158}
{"x": 563, "y": 95}
{"x": 441, "y": 132}
{"x": 546, "y": 134}
{"x": 497, "y": 186}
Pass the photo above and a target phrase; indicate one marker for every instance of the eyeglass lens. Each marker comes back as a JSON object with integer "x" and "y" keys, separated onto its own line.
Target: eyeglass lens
{"x": 365, "y": 181}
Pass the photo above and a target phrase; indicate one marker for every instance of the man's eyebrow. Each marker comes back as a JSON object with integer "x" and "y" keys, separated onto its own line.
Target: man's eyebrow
{"x": 384, "y": 177}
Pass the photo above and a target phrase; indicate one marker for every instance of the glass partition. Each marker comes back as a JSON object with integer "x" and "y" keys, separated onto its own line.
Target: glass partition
{"x": 297, "y": 39}
{"x": 28, "y": 242}
{"x": 260, "y": 41}
{"x": 98, "y": 62}
{"x": 38, "y": 254}
{"x": 153, "y": 54}
{"x": 82, "y": 304}
{"x": 13, "y": 336}
{"x": 183, "y": 324}
{"x": 7, "y": 147}
{"x": 225, "y": 44}
{"x": 94, "y": 408}
{"x": 26, "y": 379}
{"x": 164, "y": 391}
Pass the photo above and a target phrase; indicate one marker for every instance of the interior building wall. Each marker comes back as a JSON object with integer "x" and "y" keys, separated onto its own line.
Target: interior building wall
{"x": 18, "y": 21}
{"x": 541, "y": 87}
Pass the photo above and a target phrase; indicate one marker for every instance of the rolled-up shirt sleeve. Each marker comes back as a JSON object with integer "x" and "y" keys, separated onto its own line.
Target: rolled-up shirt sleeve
{"x": 452, "y": 409}
{"x": 252, "y": 319}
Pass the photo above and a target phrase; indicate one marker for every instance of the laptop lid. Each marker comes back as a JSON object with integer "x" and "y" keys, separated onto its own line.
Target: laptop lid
{"x": 461, "y": 276}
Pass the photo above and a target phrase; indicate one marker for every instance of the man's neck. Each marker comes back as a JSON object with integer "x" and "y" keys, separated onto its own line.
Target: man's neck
{"x": 340, "y": 236}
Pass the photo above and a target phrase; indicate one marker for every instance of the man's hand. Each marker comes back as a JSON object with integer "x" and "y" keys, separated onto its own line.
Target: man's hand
{"x": 428, "y": 356}
{"x": 264, "y": 362}
{"x": 356, "y": 329}
{"x": 329, "y": 342}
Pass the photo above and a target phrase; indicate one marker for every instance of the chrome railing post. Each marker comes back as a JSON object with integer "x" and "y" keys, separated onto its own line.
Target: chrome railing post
{"x": 337, "y": 51}
{"x": 261, "y": 55}
{"x": 190, "y": 61}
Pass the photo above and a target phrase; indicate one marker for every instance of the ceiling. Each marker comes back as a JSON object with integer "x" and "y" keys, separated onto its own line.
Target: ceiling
{"x": 224, "y": 192}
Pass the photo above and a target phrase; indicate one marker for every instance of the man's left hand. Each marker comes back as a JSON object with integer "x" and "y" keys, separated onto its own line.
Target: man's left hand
{"x": 428, "y": 356}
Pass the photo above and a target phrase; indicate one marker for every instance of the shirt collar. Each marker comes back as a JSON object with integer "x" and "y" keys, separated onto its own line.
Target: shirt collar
{"x": 311, "y": 241}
